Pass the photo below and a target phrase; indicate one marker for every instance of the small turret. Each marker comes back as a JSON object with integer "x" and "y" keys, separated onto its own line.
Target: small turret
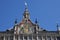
{"x": 15, "y": 26}
{"x": 57, "y": 27}
{"x": 37, "y": 27}
{"x": 15, "y": 21}
{"x": 36, "y": 21}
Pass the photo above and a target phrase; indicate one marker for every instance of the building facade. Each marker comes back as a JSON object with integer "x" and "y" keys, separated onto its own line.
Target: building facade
{"x": 27, "y": 30}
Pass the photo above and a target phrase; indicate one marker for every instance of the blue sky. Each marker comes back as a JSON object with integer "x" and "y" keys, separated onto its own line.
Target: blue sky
{"x": 46, "y": 11}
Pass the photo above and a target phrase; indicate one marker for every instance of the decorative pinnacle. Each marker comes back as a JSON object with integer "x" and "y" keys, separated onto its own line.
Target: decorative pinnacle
{"x": 25, "y": 4}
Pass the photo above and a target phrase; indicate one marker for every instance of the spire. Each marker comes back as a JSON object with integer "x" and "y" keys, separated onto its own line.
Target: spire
{"x": 26, "y": 7}
{"x": 26, "y": 12}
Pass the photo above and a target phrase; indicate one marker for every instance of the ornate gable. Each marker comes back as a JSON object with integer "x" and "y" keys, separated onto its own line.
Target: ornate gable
{"x": 25, "y": 26}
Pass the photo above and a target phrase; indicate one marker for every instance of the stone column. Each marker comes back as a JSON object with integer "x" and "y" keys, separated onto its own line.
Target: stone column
{"x": 42, "y": 38}
{"x": 8, "y": 37}
{"x": 23, "y": 37}
{"x": 4, "y": 38}
{"x": 32, "y": 37}
{"x": 51, "y": 38}
{"x": 37, "y": 37}
{"x": 46, "y": 38}
{"x": 18, "y": 37}
{"x": 56, "y": 38}
{"x": 14, "y": 37}
{"x": 27, "y": 37}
